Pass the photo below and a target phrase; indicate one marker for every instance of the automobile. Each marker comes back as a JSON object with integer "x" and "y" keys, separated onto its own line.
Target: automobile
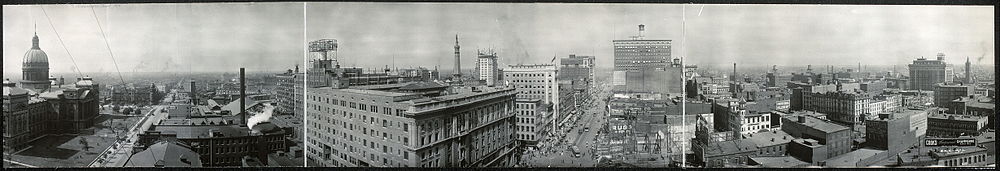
{"x": 576, "y": 152}
{"x": 587, "y": 129}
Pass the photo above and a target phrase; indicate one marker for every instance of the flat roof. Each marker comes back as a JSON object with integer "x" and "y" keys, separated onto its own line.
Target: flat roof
{"x": 779, "y": 162}
{"x": 852, "y": 158}
{"x": 729, "y": 147}
{"x": 769, "y": 138}
{"x": 815, "y": 123}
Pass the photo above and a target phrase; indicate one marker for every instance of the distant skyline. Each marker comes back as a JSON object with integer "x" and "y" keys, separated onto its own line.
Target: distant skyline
{"x": 839, "y": 34}
{"x": 269, "y": 36}
{"x": 421, "y": 34}
{"x": 217, "y": 37}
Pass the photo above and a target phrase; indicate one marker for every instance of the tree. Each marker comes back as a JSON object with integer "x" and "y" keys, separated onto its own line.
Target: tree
{"x": 127, "y": 111}
{"x": 86, "y": 145}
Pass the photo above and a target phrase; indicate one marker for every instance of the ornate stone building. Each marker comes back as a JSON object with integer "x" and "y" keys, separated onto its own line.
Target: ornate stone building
{"x": 42, "y": 105}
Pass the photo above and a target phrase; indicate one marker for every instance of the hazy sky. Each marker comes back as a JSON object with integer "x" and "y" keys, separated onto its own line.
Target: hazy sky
{"x": 269, "y": 36}
{"x": 159, "y": 37}
{"x": 371, "y": 34}
{"x": 423, "y": 34}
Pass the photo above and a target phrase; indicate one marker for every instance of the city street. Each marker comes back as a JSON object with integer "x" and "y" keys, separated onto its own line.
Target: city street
{"x": 561, "y": 154}
{"x": 117, "y": 157}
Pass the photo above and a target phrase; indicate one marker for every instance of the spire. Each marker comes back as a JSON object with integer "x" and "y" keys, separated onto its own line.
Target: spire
{"x": 34, "y": 41}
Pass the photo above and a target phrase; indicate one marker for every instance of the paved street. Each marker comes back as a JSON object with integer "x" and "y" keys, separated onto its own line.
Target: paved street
{"x": 117, "y": 157}
{"x": 559, "y": 154}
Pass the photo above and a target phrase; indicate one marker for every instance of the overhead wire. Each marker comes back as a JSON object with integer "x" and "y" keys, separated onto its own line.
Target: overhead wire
{"x": 108, "y": 45}
{"x": 76, "y": 67}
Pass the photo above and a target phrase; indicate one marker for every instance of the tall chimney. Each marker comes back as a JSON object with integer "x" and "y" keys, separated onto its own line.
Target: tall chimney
{"x": 243, "y": 97}
{"x": 194, "y": 94}
{"x": 734, "y": 73}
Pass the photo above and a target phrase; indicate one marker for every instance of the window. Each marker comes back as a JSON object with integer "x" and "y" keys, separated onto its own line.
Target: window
{"x": 406, "y": 127}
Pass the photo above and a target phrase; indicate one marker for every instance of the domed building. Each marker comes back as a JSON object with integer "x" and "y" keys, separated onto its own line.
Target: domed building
{"x": 43, "y": 105}
{"x": 35, "y": 72}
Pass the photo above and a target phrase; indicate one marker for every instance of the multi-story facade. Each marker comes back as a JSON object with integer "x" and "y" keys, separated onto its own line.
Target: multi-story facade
{"x": 289, "y": 92}
{"x": 134, "y": 95}
{"x": 420, "y": 124}
{"x": 536, "y": 82}
{"x": 945, "y": 93}
{"x": 837, "y": 139}
{"x": 924, "y": 74}
{"x": 638, "y": 54}
{"x": 487, "y": 69}
{"x": 851, "y": 107}
{"x": 740, "y": 117}
{"x": 577, "y": 68}
{"x": 948, "y": 156}
{"x": 645, "y": 65}
{"x": 895, "y": 132}
{"x": 221, "y": 144}
{"x": 953, "y": 125}
{"x": 43, "y": 106}
{"x": 532, "y": 117}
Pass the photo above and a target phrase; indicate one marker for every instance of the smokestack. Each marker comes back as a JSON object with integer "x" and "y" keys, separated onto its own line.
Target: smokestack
{"x": 194, "y": 93}
{"x": 734, "y": 73}
{"x": 243, "y": 97}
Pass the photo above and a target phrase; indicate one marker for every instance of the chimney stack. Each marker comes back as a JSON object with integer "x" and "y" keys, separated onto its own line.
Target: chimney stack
{"x": 734, "y": 73}
{"x": 194, "y": 93}
{"x": 243, "y": 97}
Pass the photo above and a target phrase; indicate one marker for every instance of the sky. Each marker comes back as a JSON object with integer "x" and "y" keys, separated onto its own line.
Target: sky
{"x": 413, "y": 34}
{"x": 213, "y": 37}
{"x": 218, "y": 37}
{"x": 408, "y": 34}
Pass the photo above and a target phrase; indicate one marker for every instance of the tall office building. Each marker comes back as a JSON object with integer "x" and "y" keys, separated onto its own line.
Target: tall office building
{"x": 646, "y": 65}
{"x": 924, "y": 74}
{"x": 289, "y": 92}
{"x": 638, "y": 53}
{"x": 536, "y": 81}
{"x": 486, "y": 68}
{"x": 417, "y": 124}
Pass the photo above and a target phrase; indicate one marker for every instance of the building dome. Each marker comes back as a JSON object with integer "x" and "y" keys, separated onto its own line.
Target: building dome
{"x": 35, "y": 56}
{"x": 35, "y": 71}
